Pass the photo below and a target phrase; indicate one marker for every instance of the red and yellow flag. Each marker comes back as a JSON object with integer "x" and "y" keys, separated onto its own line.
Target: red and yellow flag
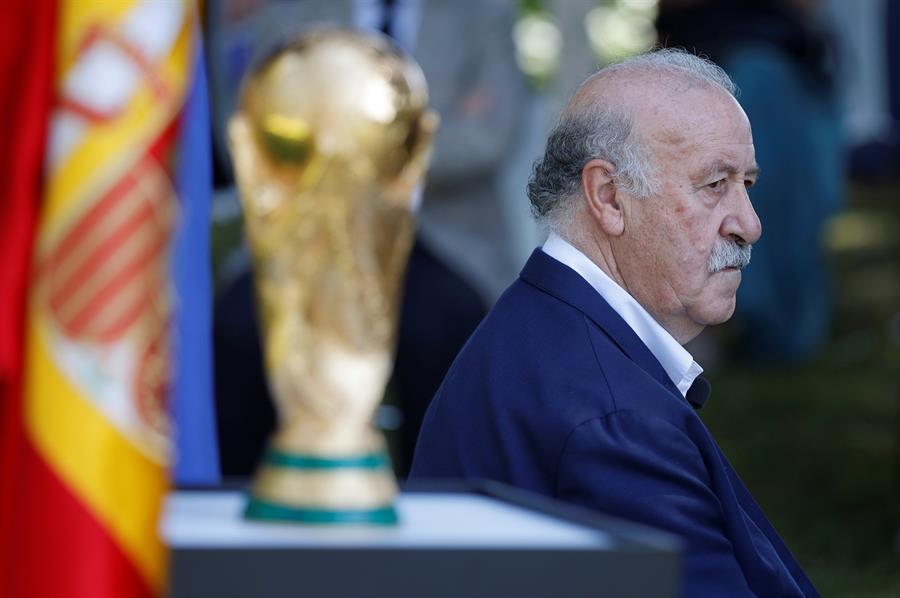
{"x": 96, "y": 448}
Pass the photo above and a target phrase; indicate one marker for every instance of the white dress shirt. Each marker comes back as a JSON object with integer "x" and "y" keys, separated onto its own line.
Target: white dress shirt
{"x": 675, "y": 359}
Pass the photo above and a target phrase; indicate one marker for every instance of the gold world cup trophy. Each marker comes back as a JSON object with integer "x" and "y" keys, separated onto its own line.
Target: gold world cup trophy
{"x": 329, "y": 142}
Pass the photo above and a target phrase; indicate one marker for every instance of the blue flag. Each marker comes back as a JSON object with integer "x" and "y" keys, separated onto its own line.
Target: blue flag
{"x": 196, "y": 447}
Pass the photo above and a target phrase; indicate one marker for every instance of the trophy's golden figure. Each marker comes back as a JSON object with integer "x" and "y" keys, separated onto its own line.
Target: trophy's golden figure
{"x": 330, "y": 139}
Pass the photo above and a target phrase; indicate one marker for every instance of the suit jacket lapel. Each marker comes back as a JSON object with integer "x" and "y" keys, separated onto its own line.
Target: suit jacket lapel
{"x": 560, "y": 281}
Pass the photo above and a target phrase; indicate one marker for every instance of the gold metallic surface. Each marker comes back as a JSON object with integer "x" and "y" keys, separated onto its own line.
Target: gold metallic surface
{"x": 331, "y": 137}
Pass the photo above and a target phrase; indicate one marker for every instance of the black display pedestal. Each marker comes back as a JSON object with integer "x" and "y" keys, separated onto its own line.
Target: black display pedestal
{"x": 480, "y": 539}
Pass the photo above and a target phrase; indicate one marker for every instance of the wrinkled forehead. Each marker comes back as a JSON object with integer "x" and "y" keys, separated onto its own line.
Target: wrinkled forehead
{"x": 674, "y": 115}
{"x": 682, "y": 119}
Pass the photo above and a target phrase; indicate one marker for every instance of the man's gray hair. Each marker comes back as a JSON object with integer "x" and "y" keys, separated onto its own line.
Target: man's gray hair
{"x": 582, "y": 135}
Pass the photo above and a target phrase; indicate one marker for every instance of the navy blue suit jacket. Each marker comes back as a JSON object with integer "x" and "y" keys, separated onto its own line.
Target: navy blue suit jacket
{"x": 555, "y": 393}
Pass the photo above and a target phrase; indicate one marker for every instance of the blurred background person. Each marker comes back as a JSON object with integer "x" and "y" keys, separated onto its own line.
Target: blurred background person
{"x": 783, "y": 62}
{"x": 869, "y": 80}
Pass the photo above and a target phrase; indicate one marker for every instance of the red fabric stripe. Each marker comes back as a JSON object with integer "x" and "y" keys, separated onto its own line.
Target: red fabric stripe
{"x": 85, "y": 112}
{"x": 27, "y": 51}
{"x": 62, "y": 290}
{"x": 61, "y": 550}
{"x": 135, "y": 268}
{"x": 25, "y": 30}
{"x": 84, "y": 226}
{"x": 153, "y": 289}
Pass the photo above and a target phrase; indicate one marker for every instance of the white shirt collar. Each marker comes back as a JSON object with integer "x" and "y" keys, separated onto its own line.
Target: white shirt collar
{"x": 675, "y": 359}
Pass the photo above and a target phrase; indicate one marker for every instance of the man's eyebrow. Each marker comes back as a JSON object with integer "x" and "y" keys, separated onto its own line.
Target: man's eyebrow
{"x": 719, "y": 166}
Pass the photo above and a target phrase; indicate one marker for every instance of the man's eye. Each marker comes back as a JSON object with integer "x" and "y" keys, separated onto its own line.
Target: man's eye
{"x": 717, "y": 185}
{"x": 749, "y": 183}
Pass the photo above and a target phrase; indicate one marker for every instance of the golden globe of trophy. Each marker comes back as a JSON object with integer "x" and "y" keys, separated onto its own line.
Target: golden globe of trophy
{"x": 329, "y": 142}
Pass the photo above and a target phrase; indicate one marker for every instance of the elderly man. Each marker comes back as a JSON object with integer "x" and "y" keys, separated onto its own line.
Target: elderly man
{"x": 576, "y": 385}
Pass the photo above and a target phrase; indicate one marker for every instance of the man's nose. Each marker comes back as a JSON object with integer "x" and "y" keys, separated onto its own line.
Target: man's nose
{"x": 742, "y": 224}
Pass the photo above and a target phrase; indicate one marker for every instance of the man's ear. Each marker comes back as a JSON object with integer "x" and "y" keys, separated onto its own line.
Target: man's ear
{"x": 600, "y": 194}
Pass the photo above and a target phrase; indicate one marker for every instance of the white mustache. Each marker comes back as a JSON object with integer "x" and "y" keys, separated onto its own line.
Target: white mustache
{"x": 727, "y": 253}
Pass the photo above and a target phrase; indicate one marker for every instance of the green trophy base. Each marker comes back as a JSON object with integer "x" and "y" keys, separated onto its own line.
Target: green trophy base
{"x": 263, "y": 510}
{"x": 314, "y": 490}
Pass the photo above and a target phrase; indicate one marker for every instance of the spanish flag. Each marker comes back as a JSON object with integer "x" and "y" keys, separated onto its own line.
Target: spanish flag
{"x": 86, "y": 483}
